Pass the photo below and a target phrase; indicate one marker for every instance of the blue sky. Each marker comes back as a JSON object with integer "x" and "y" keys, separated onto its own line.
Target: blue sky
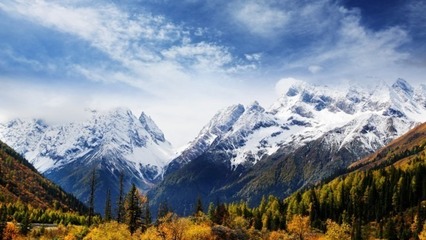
{"x": 181, "y": 61}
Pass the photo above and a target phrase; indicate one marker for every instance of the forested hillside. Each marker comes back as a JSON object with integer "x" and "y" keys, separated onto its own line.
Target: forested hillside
{"x": 19, "y": 181}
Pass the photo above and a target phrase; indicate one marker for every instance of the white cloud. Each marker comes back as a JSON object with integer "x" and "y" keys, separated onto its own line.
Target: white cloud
{"x": 315, "y": 69}
{"x": 360, "y": 50}
{"x": 259, "y": 17}
{"x": 201, "y": 56}
{"x": 253, "y": 57}
{"x": 151, "y": 48}
{"x": 352, "y": 51}
{"x": 23, "y": 100}
{"x": 282, "y": 86}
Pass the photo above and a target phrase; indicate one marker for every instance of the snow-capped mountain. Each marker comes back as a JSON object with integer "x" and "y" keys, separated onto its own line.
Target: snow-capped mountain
{"x": 308, "y": 134}
{"x": 304, "y": 114}
{"x": 111, "y": 142}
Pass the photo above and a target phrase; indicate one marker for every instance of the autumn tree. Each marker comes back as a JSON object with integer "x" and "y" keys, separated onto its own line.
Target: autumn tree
{"x": 422, "y": 234}
{"x": 109, "y": 231}
{"x": 299, "y": 226}
{"x": 336, "y": 231}
{"x": 173, "y": 227}
{"x": 11, "y": 232}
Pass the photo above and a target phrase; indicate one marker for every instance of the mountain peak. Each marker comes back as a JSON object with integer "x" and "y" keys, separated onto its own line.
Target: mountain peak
{"x": 151, "y": 127}
{"x": 255, "y": 106}
{"x": 293, "y": 87}
{"x": 401, "y": 85}
{"x": 119, "y": 111}
{"x": 225, "y": 119}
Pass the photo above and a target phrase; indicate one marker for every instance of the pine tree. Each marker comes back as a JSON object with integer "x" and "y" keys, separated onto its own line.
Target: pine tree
{"x": 108, "y": 211}
{"x": 25, "y": 223}
{"x": 133, "y": 208}
{"x": 199, "y": 206}
{"x": 120, "y": 207}
{"x": 92, "y": 197}
{"x": 211, "y": 211}
{"x": 221, "y": 214}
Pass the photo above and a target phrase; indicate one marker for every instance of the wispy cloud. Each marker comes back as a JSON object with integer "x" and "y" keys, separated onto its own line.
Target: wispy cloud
{"x": 200, "y": 56}
{"x": 150, "y": 48}
{"x": 259, "y": 17}
{"x": 354, "y": 52}
{"x": 323, "y": 39}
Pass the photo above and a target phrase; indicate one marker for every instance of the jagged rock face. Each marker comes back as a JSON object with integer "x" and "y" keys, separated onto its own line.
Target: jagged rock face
{"x": 306, "y": 135}
{"x": 110, "y": 142}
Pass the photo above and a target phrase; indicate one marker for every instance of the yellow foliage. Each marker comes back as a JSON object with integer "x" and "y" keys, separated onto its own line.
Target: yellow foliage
{"x": 195, "y": 232}
{"x": 10, "y": 232}
{"x": 239, "y": 222}
{"x": 70, "y": 236}
{"x": 76, "y": 232}
{"x": 422, "y": 234}
{"x": 299, "y": 226}
{"x": 172, "y": 227}
{"x": 150, "y": 234}
{"x": 336, "y": 231}
{"x": 279, "y": 235}
{"x": 109, "y": 231}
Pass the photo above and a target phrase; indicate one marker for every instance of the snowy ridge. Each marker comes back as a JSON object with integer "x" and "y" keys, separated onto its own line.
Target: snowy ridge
{"x": 114, "y": 134}
{"x": 371, "y": 117}
{"x": 220, "y": 124}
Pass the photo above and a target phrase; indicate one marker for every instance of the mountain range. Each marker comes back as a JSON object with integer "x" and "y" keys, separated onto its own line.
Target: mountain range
{"x": 310, "y": 133}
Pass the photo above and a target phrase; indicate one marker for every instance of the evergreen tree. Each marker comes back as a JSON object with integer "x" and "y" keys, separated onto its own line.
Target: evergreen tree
{"x": 92, "y": 197}
{"x": 199, "y": 206}
{"x": 108, "y": 211}
{"x": 210, "y": 211}
{"x": 133, "y": 209}
{"x": 221, "y": 214}
{"x": 25, "y": 223}
{"x": 120, "y": 204}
